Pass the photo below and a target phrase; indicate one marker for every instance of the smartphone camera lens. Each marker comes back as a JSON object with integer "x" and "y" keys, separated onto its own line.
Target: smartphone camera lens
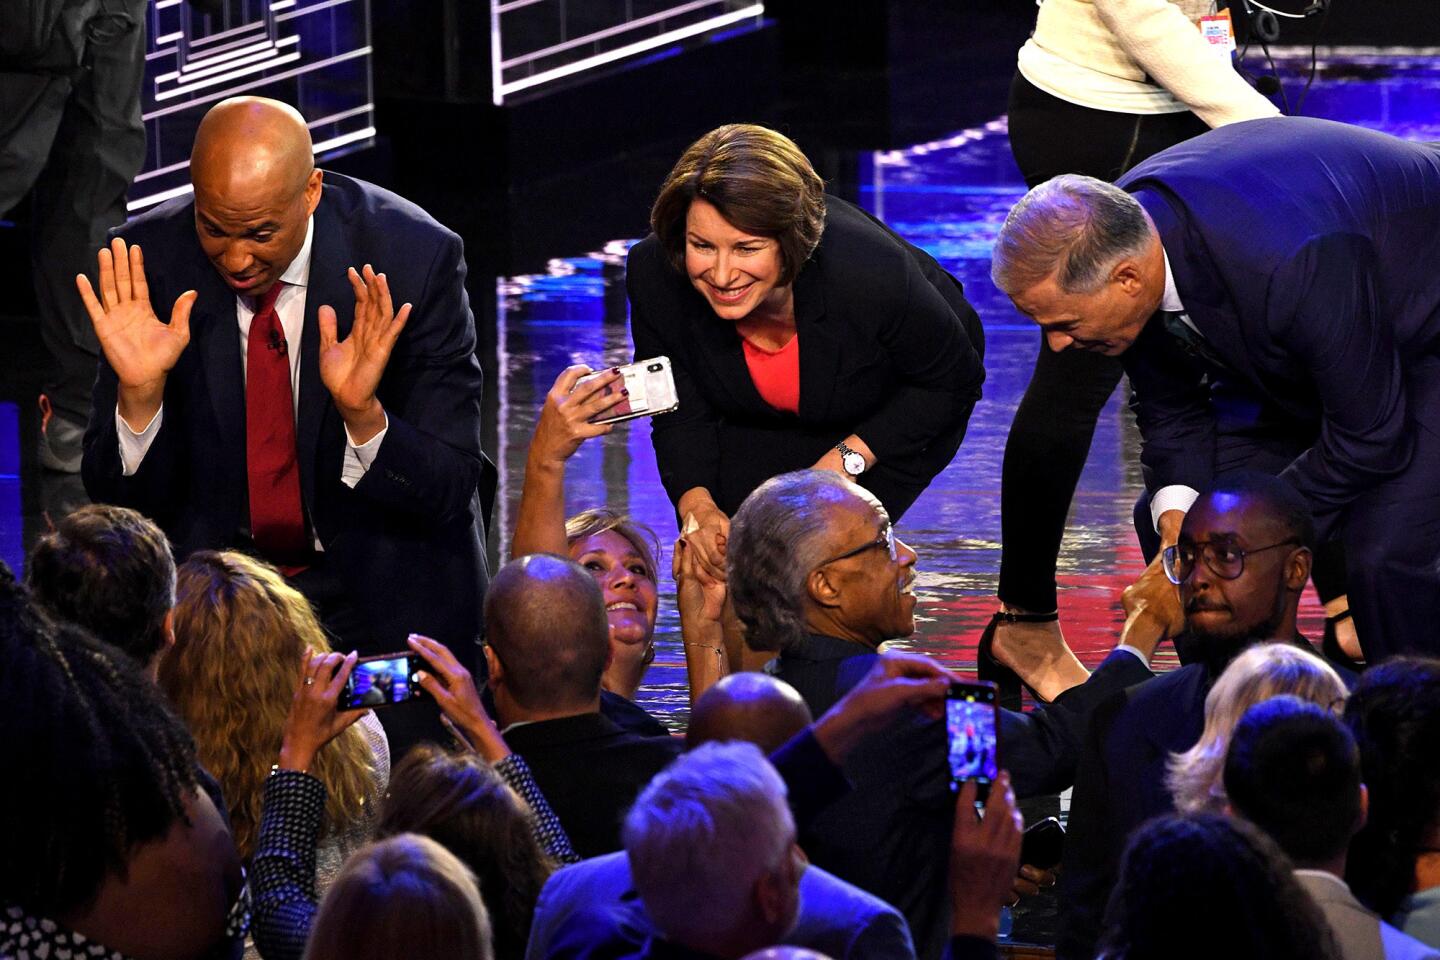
{"x": 654, "y": 368}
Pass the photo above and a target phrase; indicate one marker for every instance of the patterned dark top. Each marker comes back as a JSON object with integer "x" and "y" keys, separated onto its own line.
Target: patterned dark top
{"x": 24, "y": 936}
{"x": 283, "y": 870}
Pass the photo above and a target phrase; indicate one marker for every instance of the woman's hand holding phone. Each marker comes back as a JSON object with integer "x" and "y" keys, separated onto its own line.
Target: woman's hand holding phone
{"x": 453, "y": 689}
{"x": 565, "y": 417}
{"x": 313, "y": 720}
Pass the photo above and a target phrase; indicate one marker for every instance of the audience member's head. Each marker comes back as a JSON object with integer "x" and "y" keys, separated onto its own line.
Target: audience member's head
{"x": 750, "y": 706}
{"x": 1394, "y": 713}
{"x": 785, "y": 953}
{"x": 1241, "y": 561}
{"x": 711, "y": 843}
{"x": 758, "y": 180}
{"x": 1293, "y": 770}
{"x": 240, "y": 634}
{"x": 253, "y": 161}
{"x": 1200, "y": 886}
{"x": 547, "y": 638}
{"x": 457, "y": 800}
{"x": 621, "y": 555}
{"x": 811, "y": 552}
{"x": 100, "y": 804}
{"x": 110, "y": 570}
{"x": 406, "y": 896}
{"x": 1196, "y": 777}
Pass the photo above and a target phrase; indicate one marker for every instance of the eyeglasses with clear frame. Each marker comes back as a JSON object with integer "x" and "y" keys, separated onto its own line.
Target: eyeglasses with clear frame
{"x": 886, "y": 540}
{"x": 1223, "y": 559}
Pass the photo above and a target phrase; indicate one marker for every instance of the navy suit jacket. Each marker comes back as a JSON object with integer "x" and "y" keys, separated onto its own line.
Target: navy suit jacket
{"x": 1307, "y": 253}
{"x": 408, "y": 540}
{"x": 1119, "y": 785}
{"x": 591, "y": 910}
{"x": 891, "y": 835}
{"x": 889, "y": 350}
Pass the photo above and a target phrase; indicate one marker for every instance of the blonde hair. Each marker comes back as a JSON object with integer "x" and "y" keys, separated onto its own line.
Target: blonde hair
{"x": 1195, "y": 778}
{"x": 403, "y": 897}
{"x": 239, "y": 633}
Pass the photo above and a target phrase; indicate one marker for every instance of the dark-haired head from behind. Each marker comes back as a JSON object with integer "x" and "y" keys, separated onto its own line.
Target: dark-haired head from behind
{"x": 1201, "y": 886}
{"x": 98, "y": 773}
{"x": 1293, "y": 771}
{"x": 1394, "y": 713}
{"x": 110, "y": 570}
{"x": 754, "y": 707}
{"x": 547, "y": 636}
{"x": 461, "y": 803}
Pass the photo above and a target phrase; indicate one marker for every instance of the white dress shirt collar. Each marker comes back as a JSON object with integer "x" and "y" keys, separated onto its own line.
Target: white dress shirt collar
{"x": 1170, "y": 302}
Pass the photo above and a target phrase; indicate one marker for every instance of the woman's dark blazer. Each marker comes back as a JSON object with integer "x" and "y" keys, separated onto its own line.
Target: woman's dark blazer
{"x": 889, "y": 351}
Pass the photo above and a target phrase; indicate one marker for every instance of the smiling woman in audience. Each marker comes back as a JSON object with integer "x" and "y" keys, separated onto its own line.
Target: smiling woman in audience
{"x": 240, "y": 631}
{"x": 621, "y": 554}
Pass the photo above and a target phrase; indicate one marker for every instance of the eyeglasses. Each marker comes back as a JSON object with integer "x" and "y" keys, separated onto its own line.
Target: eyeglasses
{"x": 886, "y": 540}
{"x": 1222, "y": 559}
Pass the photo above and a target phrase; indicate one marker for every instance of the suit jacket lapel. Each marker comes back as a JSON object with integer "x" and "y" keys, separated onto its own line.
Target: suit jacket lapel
{"x": 321, "y": 452}
{"x": 1206, "y": 300}
{"x": 819, "y": 351}
{"x": 217, "y": 342}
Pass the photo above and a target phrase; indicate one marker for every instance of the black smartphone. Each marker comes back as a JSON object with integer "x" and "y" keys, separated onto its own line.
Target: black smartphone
{"x": 972, "y": 721}
{"x": 1043, "y": 845}
{"x": 382, "y": 680}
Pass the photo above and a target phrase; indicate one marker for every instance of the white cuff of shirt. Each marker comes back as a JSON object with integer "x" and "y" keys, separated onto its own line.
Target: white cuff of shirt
{"x": 360, "y": 456}
{"x": 1134, "y": 652}
{"x": 134, "y": 446}
{"x": 1177, "y": 496}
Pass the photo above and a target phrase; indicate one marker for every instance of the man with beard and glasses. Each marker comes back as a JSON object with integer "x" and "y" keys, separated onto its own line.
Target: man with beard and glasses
{"x": 1241, "y": 561}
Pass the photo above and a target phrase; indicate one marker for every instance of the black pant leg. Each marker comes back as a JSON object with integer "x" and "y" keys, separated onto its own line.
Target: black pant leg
{"x": 98, "y": 150}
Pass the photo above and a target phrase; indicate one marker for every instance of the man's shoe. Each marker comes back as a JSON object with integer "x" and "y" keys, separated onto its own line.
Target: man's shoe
{"x": 61, "y": 440}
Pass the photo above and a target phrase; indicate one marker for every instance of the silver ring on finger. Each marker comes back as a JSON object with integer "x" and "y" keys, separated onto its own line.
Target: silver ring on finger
{"x": 309, "y": 681}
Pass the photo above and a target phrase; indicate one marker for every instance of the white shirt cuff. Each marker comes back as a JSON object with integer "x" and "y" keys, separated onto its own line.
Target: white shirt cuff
{"x": 359, "y": 456}
{"x": 134, "y": 446}
{"x": 1177, "y": 496}
{"x": 1134, "y": 652}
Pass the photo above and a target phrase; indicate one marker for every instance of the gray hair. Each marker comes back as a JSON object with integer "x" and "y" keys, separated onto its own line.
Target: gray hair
{"x": 1076, "y": 227}
{"x": 700, "y": 835}
{"x": 775, "y": 541}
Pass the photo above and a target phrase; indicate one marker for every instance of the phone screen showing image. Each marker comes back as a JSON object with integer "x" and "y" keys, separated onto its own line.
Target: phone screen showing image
{"x": 379, "y": 682}
{"x": 970, "y": 722}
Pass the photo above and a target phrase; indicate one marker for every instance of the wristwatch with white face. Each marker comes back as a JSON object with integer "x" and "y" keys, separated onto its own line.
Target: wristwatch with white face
{"x": 851, "y": 460}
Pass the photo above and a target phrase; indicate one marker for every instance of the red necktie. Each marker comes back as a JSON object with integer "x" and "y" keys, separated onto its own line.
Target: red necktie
{"x": 277, "y": 522}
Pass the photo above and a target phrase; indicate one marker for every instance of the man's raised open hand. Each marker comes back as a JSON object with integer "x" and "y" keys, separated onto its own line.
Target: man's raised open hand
{"x": 139, "y": 347}
{"x": 351, "y": 368}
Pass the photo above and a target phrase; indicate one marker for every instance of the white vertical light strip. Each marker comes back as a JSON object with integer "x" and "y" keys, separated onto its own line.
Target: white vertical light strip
{"x": 502, "y": 417}
{"x": 501, "y": 90}
{"x": 497, "y": 95}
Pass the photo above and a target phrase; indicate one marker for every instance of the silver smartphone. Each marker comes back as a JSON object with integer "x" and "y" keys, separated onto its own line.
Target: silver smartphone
{"x": 652, "y": 390}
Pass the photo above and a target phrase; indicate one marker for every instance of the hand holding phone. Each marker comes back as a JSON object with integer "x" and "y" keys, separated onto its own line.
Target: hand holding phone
{"x": 313, "y": 720}
{"x": 648, "y": 389}
{"x": 381, "y": 681}
{"x": 972, "y": 725}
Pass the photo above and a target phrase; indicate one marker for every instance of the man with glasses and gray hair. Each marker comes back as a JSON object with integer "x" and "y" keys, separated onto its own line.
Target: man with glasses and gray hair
{"x": 817, "y": 575}
{"x": 1273, "y": 290}
{"x": 1240, "y": 561}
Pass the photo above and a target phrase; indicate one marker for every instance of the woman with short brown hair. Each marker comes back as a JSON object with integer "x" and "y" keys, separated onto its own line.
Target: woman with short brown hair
{"x": 802, "y": 333}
